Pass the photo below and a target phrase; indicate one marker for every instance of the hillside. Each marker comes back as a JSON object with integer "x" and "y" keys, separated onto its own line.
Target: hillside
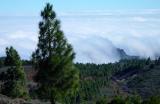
{"x": 122, "y": 54}
{"x": 126, "y": 77}
{"x": 144, "y": 81}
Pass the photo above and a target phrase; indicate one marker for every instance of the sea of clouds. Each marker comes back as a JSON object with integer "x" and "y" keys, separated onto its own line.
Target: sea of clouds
{"x": 95, "y": 35}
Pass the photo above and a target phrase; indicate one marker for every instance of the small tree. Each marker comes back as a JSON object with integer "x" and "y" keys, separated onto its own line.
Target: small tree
{"x": 14, "y": 78}
{"x": 11, "y": 56}
{"x": 1, "y": 63}
{"x": 148, "y": 61}
{"x": 56, "y": 76}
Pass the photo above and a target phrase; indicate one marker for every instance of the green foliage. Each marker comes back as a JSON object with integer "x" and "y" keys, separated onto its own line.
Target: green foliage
{"x": 12, "y": 57}
{"x": 153, "y": 100}
{"x": 101, "y": 100}
{"x": 127, "y": 100}
{"x": 14, "y": 82}
{"x": 137, "y": 76}
{"x": 133, "y": 100}
{"x": 118, "y": 100}
{"x": 26, "y": 62}
{"x": 148, "y": 61}
{"x": 56, "y": 76}
{"x": 2, "y": 61}
{"x": 151, "y": 66}
{"x": 146, "y": 82}
{"x": 96, "y": 80}
{"x": 157, "y": 61}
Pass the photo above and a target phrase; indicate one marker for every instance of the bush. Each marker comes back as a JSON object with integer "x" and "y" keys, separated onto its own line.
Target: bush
{"x": 102, "y": 100}
{"x": 117, "y": 100}
{"x": 153, "y": 100}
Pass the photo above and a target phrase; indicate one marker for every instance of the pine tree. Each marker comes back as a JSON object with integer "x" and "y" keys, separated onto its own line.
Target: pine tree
{"x": 56, "y": 75}
{"x": 12, "y": 57}
{"x": 14, "y": 78}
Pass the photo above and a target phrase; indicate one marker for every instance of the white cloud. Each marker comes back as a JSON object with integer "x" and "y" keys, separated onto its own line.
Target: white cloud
{"x": 94, "y": 49}
{"x": 135, "y": 31}
{"x": 3, "y": 42}
{"x": 25, "y": 42}
{"x": 23, "y": 35}
{"x": 94, "y": 34}
{"x": 139, "y": 19}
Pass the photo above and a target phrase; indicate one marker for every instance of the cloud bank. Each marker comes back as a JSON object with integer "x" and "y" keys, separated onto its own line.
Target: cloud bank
{"x": 135, "y": 31}
{"x": 93, "y": 34}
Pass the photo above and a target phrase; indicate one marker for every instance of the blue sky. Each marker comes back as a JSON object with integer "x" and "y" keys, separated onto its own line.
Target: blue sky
{"x": 95, "y": 28}
{"x": 32, "y": 7}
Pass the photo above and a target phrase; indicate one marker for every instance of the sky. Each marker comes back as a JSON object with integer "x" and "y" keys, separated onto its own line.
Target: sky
{"x": 33, "y": 7}
{"x": 95, "y": 28}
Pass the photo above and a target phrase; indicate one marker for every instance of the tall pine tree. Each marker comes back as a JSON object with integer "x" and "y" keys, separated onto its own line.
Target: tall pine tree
{"x": 56, "y": 75}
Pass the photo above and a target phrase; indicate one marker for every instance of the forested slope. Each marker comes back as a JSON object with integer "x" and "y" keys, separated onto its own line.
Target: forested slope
{"x": 105, "y": 81}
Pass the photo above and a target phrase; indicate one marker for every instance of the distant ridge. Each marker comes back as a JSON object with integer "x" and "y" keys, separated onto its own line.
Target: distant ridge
{"x": 123, "y": 55}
